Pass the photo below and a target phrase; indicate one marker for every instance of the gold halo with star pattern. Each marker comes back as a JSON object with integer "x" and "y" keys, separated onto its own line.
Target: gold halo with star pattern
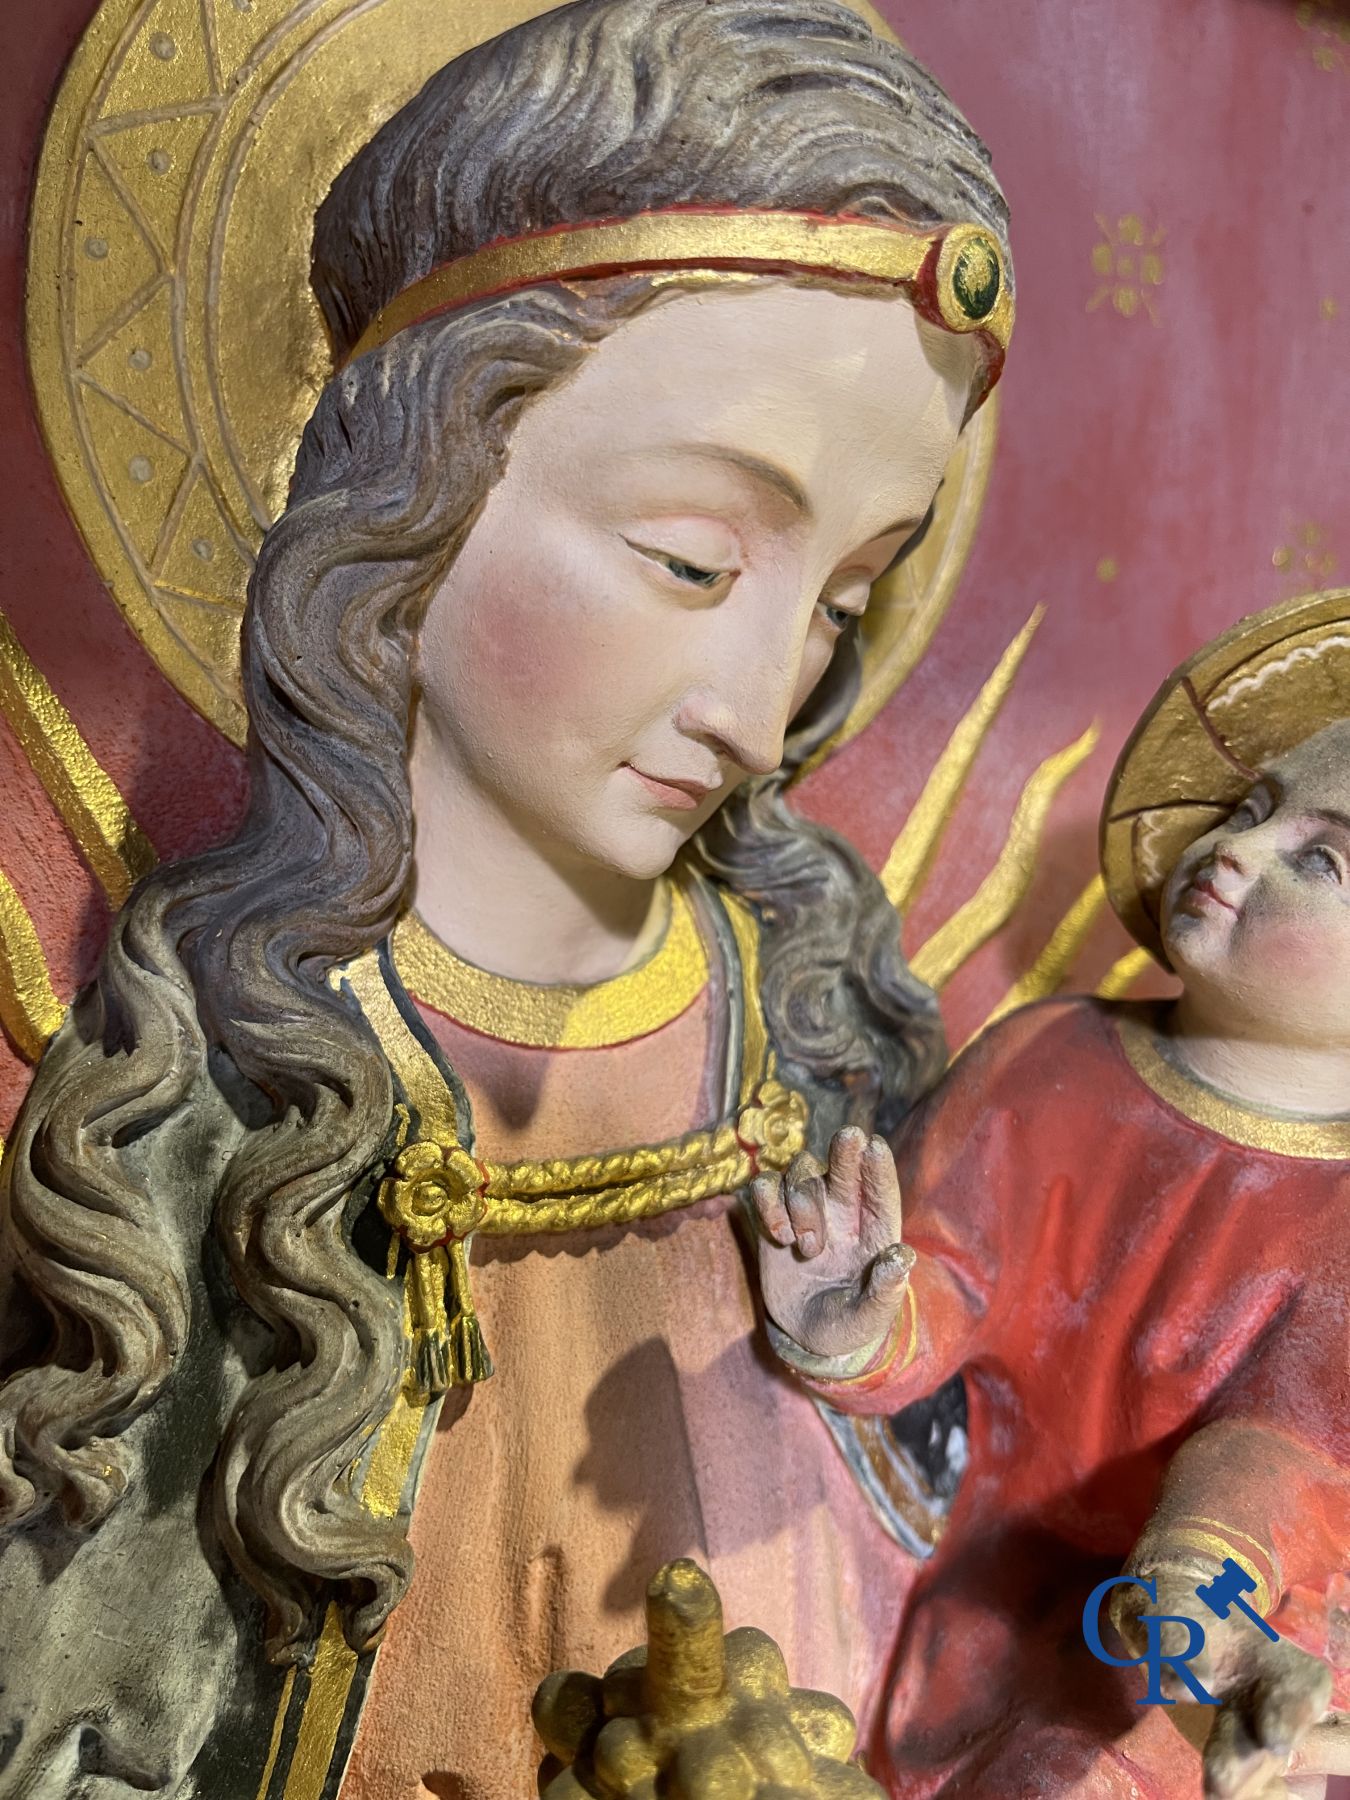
{"x": 175, "y": 345}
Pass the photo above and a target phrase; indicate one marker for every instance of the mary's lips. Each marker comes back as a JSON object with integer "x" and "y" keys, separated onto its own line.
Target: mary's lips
{"x": 674, "y": 792}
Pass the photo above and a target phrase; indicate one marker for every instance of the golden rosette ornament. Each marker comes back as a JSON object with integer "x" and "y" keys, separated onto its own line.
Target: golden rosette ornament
{"x": 434, "y": 1198}
{"x": 773, "y": 1126}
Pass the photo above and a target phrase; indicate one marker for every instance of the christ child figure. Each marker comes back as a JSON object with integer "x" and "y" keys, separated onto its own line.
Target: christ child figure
{"x": 1127, "y": 1225}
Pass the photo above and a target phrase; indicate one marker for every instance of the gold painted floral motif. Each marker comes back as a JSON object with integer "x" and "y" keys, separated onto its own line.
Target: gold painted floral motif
{"x": 774, "y": 1125}
{"x": 1128, "y": 262}
{"x": 434, "y": 1193}
{"x": 1307, "y": 556}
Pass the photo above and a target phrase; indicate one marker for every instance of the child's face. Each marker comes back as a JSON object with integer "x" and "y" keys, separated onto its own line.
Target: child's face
{"x": 1256, "y": 915}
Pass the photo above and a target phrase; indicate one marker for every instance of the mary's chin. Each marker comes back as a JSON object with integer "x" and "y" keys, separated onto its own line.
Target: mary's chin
{"x": 645, "y": 848}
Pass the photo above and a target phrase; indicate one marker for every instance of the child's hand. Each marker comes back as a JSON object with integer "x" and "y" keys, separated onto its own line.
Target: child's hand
{"x": 1271, "y": 1694}
{"x": 831, "y": 1264}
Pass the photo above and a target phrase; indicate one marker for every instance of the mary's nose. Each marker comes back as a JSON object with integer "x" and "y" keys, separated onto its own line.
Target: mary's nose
{"x": 743, "y": 720}
{"x": 750, "y": 671}
{"x": 742, "y": 704}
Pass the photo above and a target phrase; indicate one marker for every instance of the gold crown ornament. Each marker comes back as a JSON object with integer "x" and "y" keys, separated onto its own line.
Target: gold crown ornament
{"x": 1248, "y": 697}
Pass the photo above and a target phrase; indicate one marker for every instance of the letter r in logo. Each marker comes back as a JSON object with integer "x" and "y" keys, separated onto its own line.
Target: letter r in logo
{"x": 1154, "y": 1657}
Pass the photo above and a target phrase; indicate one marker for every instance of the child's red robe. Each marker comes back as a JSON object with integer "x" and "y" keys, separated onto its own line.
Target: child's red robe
{"x": 1119, "y": 1261}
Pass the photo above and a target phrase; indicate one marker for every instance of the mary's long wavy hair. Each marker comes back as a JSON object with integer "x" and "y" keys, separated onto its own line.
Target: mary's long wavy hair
{"x": 601, "y": 107}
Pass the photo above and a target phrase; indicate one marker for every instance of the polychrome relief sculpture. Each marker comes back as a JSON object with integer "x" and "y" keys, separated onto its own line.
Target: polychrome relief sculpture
{"x": 1126, "y": 1224}
{"x": 653, "y": 327}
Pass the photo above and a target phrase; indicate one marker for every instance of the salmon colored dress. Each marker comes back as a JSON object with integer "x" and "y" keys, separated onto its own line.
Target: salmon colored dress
{"x": 636, "y": 1414}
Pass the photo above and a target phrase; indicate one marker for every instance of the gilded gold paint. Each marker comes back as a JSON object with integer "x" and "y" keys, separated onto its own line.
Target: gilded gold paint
{"x": 92, "y": 809}
{"x": 1005, "y": 887}
{"x": 382, "y": 1491}
{"x": 755, "y": 1053}
{"x": 912, "y": 854}
{"x": 1123, "y": 973}
{"x": 1209, "y": 1543}
{"x": 614, "y": 1187}
{"x": 330, "y": 1683}
{"x": 278, "y": 1726}
{"x": 1051, "y": 968}
{"x": 30, "y": 1011}
{"x": 628, "y": 1006}
{"x": 1229, "y": 711}
{"x": 699, "y": 243}
{"x": 1322, "y": 1140}
{"x": 174, "y": 444}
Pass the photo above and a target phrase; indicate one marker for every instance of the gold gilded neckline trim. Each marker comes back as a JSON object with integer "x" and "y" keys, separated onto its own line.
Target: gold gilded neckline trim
{"x": 1319, "y": 1140}
{"x": 560, "y": 1016}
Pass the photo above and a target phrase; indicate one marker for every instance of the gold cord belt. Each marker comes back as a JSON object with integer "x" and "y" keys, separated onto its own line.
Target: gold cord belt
{"x": 437, "y": 1195}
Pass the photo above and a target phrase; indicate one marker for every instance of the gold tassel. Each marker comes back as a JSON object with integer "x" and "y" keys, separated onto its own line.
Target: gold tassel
{"x": 434, "y": 1198}
{"x": 469, "y": 1358}
{"x": 431, "y": 1332}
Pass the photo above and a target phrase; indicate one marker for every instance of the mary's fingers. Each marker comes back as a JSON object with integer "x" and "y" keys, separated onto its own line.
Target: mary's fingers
{"x": 806, "y": 1211}
{"x": 882, "y": 1213}
{"x": 767, "y": 1198}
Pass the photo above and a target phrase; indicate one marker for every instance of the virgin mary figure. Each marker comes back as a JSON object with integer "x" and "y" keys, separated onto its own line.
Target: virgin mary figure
{"x": 654, "y": 326}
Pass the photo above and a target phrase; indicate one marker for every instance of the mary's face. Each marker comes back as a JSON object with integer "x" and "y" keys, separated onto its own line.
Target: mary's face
{"x": 683, "y": 531}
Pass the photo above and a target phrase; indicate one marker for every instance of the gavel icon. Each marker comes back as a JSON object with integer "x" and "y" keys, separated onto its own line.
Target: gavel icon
{"x": 1225, "y": 1592}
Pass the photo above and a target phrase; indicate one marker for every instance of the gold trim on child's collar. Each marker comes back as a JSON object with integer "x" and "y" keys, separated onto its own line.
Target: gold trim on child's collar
{"x": 1317, "y": 1140}
{"x": 559, "y": 1017}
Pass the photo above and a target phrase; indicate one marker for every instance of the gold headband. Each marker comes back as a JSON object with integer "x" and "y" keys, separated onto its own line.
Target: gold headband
{"x": 954, "y": 274}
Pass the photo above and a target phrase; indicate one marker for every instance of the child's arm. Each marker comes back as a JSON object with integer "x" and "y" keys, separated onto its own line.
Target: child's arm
{"x": 1243, "y": 1493}
{"x": 1270, "y": 1499}
{"x": 871, "y": 1322}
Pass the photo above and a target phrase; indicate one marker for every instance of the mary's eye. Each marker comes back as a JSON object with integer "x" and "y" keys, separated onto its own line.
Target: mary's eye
{"x": 1243, "y": 817}
{"x": 1323, "y": 862}
{"x": 692, "y": 574}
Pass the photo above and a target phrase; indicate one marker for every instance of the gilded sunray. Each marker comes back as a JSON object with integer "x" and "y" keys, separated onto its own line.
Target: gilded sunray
{"x": 1122, "y": 975}
{"x": 1052, "y": 967}
{"x": 108, "y": 838}
{"x": 913, "y": 852}
{"x": 29, "y": 1008}
{"x": 1005, "y": 887}
{"x": 91, "y": 808}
